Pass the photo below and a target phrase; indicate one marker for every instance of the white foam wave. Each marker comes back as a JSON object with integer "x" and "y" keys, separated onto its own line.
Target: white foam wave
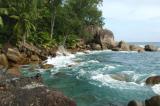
{"x": 93, "y": 61}
{"x": 33, "y": 85}
{"x": 122, "y": 80}
{"x": 127, "y": 51}
{"x": 62, "y": 61}
{"x": 156, "y": 89}
{"x": 107, "y": 80}
{"x": 80, "y": 53}
{"x": 109, "y": 67}
{"x": 141, "y": 46}
{"x": 98, "y": 51}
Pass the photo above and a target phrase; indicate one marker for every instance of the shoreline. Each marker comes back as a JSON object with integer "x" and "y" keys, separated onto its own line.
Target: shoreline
{"x": 13, "y": 58}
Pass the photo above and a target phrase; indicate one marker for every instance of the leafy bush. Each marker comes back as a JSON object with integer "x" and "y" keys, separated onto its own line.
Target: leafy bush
{"x": 67, "y": 41}
{"x": 42, "y": 39}
{"x": 71, "y": 41}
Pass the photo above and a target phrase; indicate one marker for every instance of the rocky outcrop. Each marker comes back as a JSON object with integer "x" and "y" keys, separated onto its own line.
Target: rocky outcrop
{"x": 14, "y": 55}
{"x": 95, "y": 46}
{"x": 136, "y": 48}
{"x": 14, "y": 71}
{"x": 101, "y": 36}
{"x": 135, "y": 103}
{"x": 116, "y": 49}
{"x": 153, "y": 101}
{"x": 153, "y": 80}
{"x": 46, "y": 66}
{"x": 30, "y": 49}
{"x": 107, "y": 38}
{"x": 123, "y": 46}
{"x": 3, "y": 62}
{"x": 150, "y": 48}
{"x": 29, "y": 91}
{"x": 35, "y": 58}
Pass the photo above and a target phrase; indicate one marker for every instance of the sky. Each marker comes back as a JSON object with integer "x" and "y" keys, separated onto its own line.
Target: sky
{"x": 133, "y": 20}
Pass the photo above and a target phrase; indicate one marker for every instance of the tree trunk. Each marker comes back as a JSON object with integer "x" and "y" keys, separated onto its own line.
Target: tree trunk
{"x": 52, "y": 18}
{"x": 24, "y": 38}
{"x": 52, "y": 23}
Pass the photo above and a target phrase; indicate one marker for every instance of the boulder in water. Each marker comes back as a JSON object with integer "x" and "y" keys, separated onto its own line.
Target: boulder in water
{"x": 135, "y": 103}
{"x": 124, "y": 46}
{"x": 14, "y": 71}
{"x": 151, "y": 48}
{"x": 136, "y": 48}
{"x": 47, "y": 66}
{"x": 154, "y": 101}
{"x": 153, "y": 80}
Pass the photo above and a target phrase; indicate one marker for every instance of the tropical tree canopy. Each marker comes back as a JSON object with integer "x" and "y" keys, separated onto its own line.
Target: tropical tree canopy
{"x": 47, "y": 22}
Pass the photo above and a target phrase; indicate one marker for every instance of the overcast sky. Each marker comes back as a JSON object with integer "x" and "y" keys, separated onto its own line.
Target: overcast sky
{"x": 133, "y": 20}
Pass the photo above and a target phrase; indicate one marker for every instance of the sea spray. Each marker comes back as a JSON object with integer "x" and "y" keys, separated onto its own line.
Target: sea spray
{"x": 63, "y": 58}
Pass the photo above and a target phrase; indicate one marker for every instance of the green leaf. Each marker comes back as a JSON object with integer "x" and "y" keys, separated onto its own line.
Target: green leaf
{"x": 14, "y": 17}
{"x": 4, "y": 11}
{"x": 1, "y": 21}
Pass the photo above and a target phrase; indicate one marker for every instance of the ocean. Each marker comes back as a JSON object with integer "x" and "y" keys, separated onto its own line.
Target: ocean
{"x": 104, "y": 78}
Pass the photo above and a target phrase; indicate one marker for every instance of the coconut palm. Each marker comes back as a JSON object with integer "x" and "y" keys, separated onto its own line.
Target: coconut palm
{"x": 24, "y": 12}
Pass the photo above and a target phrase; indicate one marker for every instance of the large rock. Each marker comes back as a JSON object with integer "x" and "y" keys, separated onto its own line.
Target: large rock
{"x": 101, "y": 36}
{"x": 30, "y": 49}
{"x": 29, "y": 91}
{"x": 151, "y": 48}
{"x": 153, "y": 80}
{"x": 124, "y": 46}
{"x": 116, "y": 49}
{"x": 35, "y": 58}
{"x": 95, "y": 46}
{"x": 136, "y": 48}
{"x": 14, "y": 55}
{"x": 47, "y": 66}
{"x": 14, "y": 71}
{"x": 154, "y": 101}
{"x": 135, "y": 103}
{"x": 107, "y": 39}
{"x": 4, "y": 61}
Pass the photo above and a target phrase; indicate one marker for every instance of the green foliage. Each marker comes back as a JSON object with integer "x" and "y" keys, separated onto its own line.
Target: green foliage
{"x": 43, "y": 39}
{"x": 71, "y": 41}
{"x": 1, "y": 22}
{"x": 48, "y": 22}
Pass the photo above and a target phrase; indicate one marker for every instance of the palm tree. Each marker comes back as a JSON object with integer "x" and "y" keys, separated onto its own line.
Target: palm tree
{"x": 24, "y": 12}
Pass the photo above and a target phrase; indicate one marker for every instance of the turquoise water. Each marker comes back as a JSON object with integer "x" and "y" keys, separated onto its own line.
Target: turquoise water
{"x": 105, "y": 78}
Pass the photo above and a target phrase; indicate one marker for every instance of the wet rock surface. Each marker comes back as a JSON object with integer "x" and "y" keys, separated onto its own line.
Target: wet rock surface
{"x": 135, "y": 103}
{"x": 151, "y": 48}
{"x": 124, "y": 46}
{"x": 153, "y": 101}
{"x": 29, "y": 91}
{"x": 153, "y": 80}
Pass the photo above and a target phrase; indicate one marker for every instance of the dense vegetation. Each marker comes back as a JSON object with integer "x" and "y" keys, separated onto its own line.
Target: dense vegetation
{"x": 48, "y": 22}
